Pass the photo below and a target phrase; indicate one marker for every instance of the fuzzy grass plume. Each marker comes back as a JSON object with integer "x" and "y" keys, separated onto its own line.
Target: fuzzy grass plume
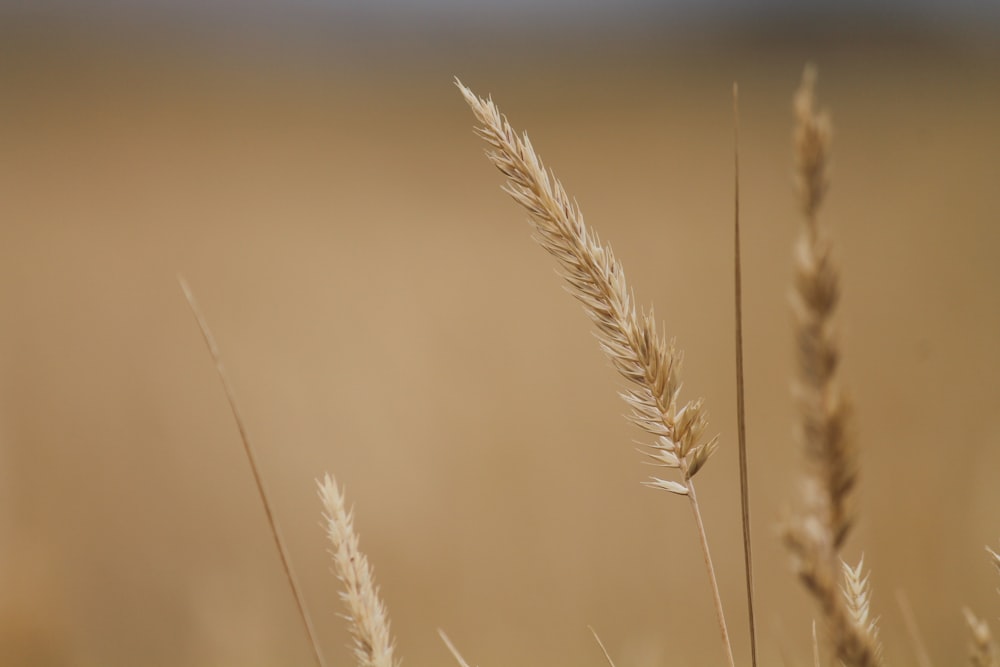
{"x": 366, "y": 614}
{"x": 816, "y": 535}
{"x": 628, "y": 336}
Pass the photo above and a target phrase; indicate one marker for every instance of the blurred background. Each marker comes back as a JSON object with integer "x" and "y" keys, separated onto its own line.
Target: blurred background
{"x": 311, "y": 170}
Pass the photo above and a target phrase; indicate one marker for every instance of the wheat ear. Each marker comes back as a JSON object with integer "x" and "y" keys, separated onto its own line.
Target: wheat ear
{"x": 816, "y": 536}
{"x": 629, "y": 337}
{"x": 982, "y": 650}
{"x": 369, "y": 621}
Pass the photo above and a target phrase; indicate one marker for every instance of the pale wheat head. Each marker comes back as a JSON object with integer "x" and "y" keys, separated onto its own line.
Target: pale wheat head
{"x": 369, "y": 621}
{"x": 816, "y": 535}
{"x": 628, "y": 336}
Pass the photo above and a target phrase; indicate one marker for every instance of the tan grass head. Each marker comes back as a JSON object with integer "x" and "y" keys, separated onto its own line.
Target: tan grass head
{"x": 368, "y": 618}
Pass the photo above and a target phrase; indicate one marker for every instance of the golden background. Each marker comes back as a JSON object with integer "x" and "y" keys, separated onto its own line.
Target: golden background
{"x": 386, "y": 317}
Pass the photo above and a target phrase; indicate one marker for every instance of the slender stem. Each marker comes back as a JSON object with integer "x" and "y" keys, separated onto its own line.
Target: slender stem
{"x": 740, "y": 400}
{"x": 703, "y": 538}
{"x": 607, "y": 656}
{"x": 816, "y": 661}
{"x": 248, "y": 449}
{"x": 454, "y": 651}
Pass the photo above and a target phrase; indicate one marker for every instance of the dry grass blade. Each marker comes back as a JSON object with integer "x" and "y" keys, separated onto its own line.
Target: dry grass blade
{"x": 816, "y": 536}
{"x": 982, "y": 651}
{"x": 995, "y": 558}
{"x": 369, "y": 621}
{"x": 279, "y": 542}
{"x": 815, "y": 644}
{"x": 629, "y": 337}
{"x": 740, "y": 398}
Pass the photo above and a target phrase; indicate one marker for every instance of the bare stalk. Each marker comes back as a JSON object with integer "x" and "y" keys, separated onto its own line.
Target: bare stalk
{"x": 607, "y": 656}
{"x": 451, "y": 649}
{"x": 740, "y": 400}
{"x": 248, "y": 449}
{"x": 815, "y": 644}
{"x": 713, "y": 581}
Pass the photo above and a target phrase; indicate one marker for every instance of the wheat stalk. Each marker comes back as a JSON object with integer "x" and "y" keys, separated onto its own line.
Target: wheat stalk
{"x": 604, "y": 651}
{"x": 629, "y": 337}
{"x": 368, "y": 618}
{"x": 248, "y": 449}
{"x": 451, "y": 649}
{"x": 816, "y": 536}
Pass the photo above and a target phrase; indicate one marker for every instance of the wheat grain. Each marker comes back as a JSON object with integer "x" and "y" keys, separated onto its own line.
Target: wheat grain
{"x": 369, "y": 621}
{"x": 629, "y": 337}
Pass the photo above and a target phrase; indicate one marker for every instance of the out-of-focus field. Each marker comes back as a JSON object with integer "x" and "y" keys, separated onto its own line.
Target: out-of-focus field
{"x": 386, "y": 317}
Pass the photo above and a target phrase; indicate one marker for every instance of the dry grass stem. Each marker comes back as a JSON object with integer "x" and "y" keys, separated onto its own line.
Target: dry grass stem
{"x": 629, "y": 337}
{"x": 815, "y": 645}
{"x": 454, "y": 651}
{"x": 995, "y": 557}
{"x": 286, "y": 563}
{"x": 607, "y": 656}
{"x": 741, "y": 420}
{"x": 815, "y": 537}
{"x": 369, "y": 621}
{"x": 982, "y": 651}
